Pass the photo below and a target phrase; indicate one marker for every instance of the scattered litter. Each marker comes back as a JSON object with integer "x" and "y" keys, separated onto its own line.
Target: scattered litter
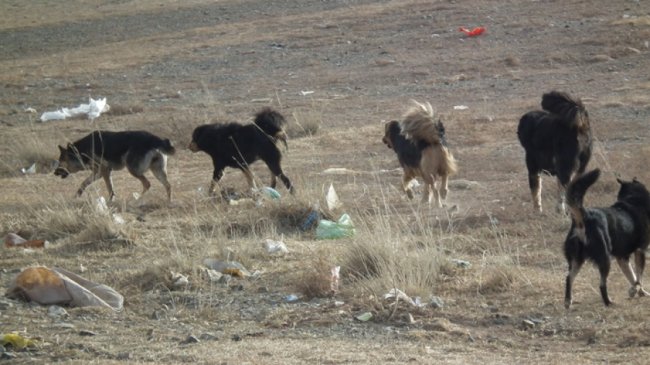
{"x": 273, "y": 247}
{"x": 311, "y": 218}
{"x": 461, "y": 263}
{"x": 14, "y": 240}
{"x": 305, "y": 93}
{"x": 54, "y": 311}
{"x": 338, "y": 171}
{"x": 291, "y": 298}
{"x": 30, "y": 110}
{"x": 30, "y": 170}
{"x": 271, "y": 193}
{"x": 179, "y": 280}
{"x": 437, "y": 302}
{"x": 528, "y": 324}
{"x": 364, "y": 317}
{"x": 461, "y": 107}
{"x": 398, "y": 294}
{"x": 414, "y": 184}
{"x": 118, "y": 219}
{"x": 93, "y": 109}
{"x": 332, "y": 199}
{"x": 101, "y": 206}
{"x": 335, "y": 279}
{"x": 474, "y": 32}
{"x": 241, "y": 201}
{"x": 58, "y": 286}
{"x": 338, "y": 303}
{"x": 136, "y": 195}
{"x": 331, "y": 230}
{"x": 232, "y": 268}
{"x": 16, "y": 341}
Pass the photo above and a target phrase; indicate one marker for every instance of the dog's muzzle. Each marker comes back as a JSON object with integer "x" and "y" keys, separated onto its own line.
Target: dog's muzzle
{"x": 60, "y": 171}
{"x": 193, "y": 147}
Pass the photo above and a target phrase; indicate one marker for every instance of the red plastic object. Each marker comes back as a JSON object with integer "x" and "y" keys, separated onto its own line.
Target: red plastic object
{"x": 474, "y": 32}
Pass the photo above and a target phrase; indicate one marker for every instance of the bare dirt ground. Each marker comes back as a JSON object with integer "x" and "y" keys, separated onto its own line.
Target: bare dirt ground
{"x": 344, "y": 66}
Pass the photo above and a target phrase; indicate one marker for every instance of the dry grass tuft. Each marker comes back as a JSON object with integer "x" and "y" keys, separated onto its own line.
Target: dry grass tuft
{"x": 305, "y": 123}
{"x": 316, "y": 280}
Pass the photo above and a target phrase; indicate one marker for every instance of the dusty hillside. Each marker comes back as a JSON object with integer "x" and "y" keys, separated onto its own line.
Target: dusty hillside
{"x": 336, "y": 70}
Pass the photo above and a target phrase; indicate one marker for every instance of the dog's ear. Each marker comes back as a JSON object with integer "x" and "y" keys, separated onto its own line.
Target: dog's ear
{"x": 61, "y": 148}
{"x": 635, "y": 180}
{"x": 621, "y": 182}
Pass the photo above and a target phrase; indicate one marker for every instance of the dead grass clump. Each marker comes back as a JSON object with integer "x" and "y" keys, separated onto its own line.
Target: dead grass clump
{"x": 316, "y": 281}
{"x": 159, "y": 274}
{"x": 305, "y": 123}
{"x": 26, "y": 150}
{"x": 496, "y": 279}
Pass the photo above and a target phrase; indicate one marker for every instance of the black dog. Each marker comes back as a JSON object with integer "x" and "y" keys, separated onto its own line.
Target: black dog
{"x": 104, "y": 151}
{"x": 238, "y": 146}
{"x": 598, "y": 233}
{"x": 557, "y": 141}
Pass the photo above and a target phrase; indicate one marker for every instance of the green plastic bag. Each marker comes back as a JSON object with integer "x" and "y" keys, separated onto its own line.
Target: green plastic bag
{"x": 333, "y": 230}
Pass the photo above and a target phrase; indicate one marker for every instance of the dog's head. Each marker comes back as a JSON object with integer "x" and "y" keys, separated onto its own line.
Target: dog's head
{"x": 196, "y": 137}
{"x": 634, "y": 193}
{"x": 391, "y": 129}
{"x": 69, "y": 162}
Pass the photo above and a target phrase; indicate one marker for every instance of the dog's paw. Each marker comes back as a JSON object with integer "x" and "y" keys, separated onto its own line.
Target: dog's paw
{"x": 633, "y": 290}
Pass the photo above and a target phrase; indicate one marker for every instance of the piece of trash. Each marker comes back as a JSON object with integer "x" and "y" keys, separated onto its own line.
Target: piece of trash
{"x": 30, "y": 170}
{"x": 137, "y": 196}
{"x": 14, "y": 240}
{"x": 55, "y": 311}
{"x": 179, "y": 280}
{"x": 461, "y": 263}
{"x": 311, "y": 218}
{"x": 338, "y": 303}
{"x": 305, "y": 92}
{"x": 30, "y": 110}
{"x": 338, "y": 171}
{"x": 474, "y": 32}
{"x": 58, "y": 286}
{"x": 291, "y": 298}
{"x": 118, "y": 219}
{"x": 414, "y": 184}
{"x": 327, "y": 229}
{"x": 271, "y": 193}
{"x": 332, "y": 199}
{"x": 241, "y": 201}
{"x": 364, "y": 317}
{"x": 461, "y": 107}
{"x": 400, "y": 295}
{"x": 101, "y": 206}
{"x": 272, "y": 246}
{"x": 93, "y": 110}
{"x": 334, "y": 279}
{"x": 16, "y": 341}
{"x": 232, "y": 268}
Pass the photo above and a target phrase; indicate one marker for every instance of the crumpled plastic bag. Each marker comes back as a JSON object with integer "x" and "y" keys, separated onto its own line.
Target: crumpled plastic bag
{"x": 58, "y": 286}
{"x": 93, "y": 109}
{"x": 332, "y": 230}
{"x": 16, "y": 341}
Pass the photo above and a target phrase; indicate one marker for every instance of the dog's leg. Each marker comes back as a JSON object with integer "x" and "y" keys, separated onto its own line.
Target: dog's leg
{"x": 574, "y": 268}
{"x": 105, "y": 172}
{"x": 429, "y": 189}
{"x": 535, "y": 183}
{"x": 274, "y": 181}
{"x": 561, "y": 197}
{"x": 626, "y": 267}
{"x": 406, "y": 184}
{"x": 159, "y": 170}
{"x": 603, "y": 269}
{"x": 444, "y": 186}
{"x": 639, "y": 265}
{"x": 276, "y": 171}
{"x": 89, "y": 180}
{"x": 287, "y": 183}
{"x": 217, "y": 174}
{"x": 145, "y": 183}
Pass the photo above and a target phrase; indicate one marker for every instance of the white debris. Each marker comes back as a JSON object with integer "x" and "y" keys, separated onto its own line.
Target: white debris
{"x": 461, "y": 107}
{"x": 93, "y": 109}
{"x": 30, "y": 170}
{"x": 306, "y": 92}
{"x": 272, "y": 246}
{"x": 332, "y": 199}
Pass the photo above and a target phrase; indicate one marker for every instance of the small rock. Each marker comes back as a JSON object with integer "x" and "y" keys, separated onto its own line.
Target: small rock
{"x": 213, "y": 275}
{"x": 208, "y": 337}
{"x": 238, "y": 287}
{"x": 190, "y": 339}
{"x": 461, "y": 263}
{"x": 87, "y": 333}
{"x": 123, "y": 356}
{"x": 236, "y": 338}
{"x": 55, "y": 311}
{"x": 528, "y": 324}
{"x": 225, "y": 279}
{"x": 156, "y": 315}
{"x": 437, "y": 302}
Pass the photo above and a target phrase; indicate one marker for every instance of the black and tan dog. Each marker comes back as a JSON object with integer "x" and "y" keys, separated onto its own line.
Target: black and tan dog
{"x": 618, "y": 231}
{"x": 421, "y": 149}
{"x": 557, "y": 140}
{"x": 236, "y": 145}
{"x": 104, "y": 151}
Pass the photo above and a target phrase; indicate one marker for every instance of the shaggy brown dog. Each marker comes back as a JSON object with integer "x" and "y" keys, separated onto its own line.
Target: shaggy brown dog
{"x": 557, "y": 141}
{"x": 421, "y": 149}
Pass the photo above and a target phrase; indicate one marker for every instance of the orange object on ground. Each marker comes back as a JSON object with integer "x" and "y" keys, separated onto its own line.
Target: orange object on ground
{"x": 14, "y": 240}
{"x": 474, "y": 32}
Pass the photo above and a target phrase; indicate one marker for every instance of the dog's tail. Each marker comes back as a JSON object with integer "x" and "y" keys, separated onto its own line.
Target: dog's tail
{"x": 419, "y": 126}
{"x": 167, "y": 147}
{"x": 575, "y": 195}
{"x": 570, "y": 109}
{"x": 272, "y": 123}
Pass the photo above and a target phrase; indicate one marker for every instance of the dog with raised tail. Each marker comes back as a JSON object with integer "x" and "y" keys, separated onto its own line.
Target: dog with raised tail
{"x": 421, "y": 147}
{"x": 557, "y": 141}
{"x": 237, "y": 146}
{"x": 597, "y": 234}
